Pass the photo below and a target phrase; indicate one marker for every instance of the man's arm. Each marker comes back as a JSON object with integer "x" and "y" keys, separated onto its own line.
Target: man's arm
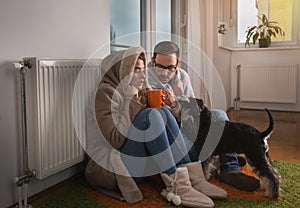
{"x": 178, "y": 88}
{"x": 188, "y": 90}
{"x": 181, "y": 85}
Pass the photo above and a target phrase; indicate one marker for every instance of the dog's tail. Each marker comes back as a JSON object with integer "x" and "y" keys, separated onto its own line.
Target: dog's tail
{"x": 269, "y": 130}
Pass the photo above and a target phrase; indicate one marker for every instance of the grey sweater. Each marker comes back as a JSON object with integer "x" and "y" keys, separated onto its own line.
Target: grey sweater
{"x": 155, "y": 83}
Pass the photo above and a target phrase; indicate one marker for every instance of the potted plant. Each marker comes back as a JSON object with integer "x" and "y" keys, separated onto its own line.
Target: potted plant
{"x": 222, "y": 28}
{"x": 263, "y": 32}
{"x": 221, "y": 33}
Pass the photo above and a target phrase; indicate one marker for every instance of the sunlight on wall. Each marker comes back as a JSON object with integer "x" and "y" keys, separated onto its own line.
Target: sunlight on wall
{"x": 281, "y": 11}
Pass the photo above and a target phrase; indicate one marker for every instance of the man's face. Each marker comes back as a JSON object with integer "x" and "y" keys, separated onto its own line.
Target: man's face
{"x": 165, "y": 66}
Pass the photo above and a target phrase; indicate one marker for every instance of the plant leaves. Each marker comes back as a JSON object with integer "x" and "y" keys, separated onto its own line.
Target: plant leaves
{"x": 264, "y": 29}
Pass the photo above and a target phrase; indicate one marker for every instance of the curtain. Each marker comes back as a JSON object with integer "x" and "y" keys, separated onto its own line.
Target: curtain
{"x": 199, "y": 48}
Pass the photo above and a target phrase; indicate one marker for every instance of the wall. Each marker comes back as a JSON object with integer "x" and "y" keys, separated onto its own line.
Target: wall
{"x": 226, "y": 60}
{"x": 221, "y": 56}
{"x": 51, "y": 29}
{"x": 268, "y": 57}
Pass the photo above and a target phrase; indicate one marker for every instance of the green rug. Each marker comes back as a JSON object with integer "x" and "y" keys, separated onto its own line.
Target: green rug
{"x": 290, "y": 197}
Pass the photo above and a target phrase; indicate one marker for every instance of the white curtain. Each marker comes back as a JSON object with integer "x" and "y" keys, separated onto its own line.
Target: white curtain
{"x": 199, "y": 48}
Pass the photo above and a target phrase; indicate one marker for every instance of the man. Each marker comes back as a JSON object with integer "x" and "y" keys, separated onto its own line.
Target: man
{"x": 164, "y": 73}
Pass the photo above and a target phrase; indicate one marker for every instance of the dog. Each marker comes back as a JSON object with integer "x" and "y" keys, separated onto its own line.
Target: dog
{"x": 233, "y": 137}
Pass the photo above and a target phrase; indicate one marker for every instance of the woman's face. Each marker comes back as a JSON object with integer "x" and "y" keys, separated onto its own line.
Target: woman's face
{"x": 139, "y": 76}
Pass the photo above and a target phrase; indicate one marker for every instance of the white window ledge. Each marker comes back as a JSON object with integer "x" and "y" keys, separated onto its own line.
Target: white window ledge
{"x": 256, "y": 48}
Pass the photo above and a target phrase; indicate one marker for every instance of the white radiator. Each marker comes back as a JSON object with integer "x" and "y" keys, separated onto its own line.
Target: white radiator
{"x": 267, "y": 83}
{"x": 53, "y": 142}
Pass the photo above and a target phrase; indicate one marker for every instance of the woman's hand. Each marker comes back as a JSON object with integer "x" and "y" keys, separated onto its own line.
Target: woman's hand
{"x": 131, "y": 92}
{"x": 143, "y": 98}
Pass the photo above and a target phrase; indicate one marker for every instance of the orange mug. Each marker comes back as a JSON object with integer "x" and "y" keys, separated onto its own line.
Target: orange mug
{"x": 156, "y": 98}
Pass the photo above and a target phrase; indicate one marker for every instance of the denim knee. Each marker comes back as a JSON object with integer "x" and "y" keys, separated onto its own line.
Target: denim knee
{"x": 229, "y": 162}
{"x": 219, "y": 115}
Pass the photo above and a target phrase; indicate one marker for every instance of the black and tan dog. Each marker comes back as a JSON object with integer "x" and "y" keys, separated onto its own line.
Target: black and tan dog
{"x": 215, "y": 137}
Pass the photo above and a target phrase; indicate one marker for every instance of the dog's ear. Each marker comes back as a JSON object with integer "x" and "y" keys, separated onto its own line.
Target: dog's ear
{"x": 199, "y": 102}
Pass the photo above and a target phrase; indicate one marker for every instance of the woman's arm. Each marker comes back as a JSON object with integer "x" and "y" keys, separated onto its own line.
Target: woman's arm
{"x": 114, "y": 114}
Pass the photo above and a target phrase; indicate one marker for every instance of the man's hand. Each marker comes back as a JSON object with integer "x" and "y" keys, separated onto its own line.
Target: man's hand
{"x": 178, "y": 88}
{"x": 169, "y": 98}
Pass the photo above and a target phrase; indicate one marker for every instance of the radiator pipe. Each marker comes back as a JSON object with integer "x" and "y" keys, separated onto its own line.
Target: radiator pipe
{"x": 19, "y": 187}
{"x": 237, "y": 99}
{"x": 25, "y": 192}
{"x": 23, "y": 72}
{"x": 24, "y": 179}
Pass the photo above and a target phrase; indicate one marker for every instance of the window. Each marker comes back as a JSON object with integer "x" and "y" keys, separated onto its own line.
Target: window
{"x": 125, "y": 23}
{"x": 277, "y": 10}
{"x": 245, "y": 18}
{"x": 282, "y": 11}
{"x": 129, "y": 18}
{"x": 163, "y": 19}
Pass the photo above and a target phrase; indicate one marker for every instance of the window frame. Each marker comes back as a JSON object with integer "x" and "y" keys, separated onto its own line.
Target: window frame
{"x": 233, "y": 29}
{"x": 125, "y": 46}
{"x": 148, "y": 23}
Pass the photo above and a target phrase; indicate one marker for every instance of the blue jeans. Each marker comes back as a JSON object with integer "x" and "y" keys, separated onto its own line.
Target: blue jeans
{"x": 154, "y": 144}
{"x": 228, "y": 162}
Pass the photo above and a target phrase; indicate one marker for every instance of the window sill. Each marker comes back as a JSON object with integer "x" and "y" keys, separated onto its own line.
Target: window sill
{"x": 260, "y": 49}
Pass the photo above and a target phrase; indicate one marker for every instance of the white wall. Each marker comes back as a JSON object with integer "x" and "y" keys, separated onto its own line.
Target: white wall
{"x": 221, "y": 57}
{"x": 226, "y": 61}
{"x": 51, "y": 29}
{"x": 267, "y": 57}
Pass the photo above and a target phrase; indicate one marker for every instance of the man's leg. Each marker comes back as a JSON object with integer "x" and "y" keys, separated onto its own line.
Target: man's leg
{"x": 230, "y": 168}
{"x": 228, "y": 162}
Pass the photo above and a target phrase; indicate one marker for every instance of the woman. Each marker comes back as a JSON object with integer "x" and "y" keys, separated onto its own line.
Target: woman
{"x": 128, "y": 141}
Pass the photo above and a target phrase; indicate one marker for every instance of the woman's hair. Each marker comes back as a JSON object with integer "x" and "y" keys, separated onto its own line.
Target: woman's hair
{"x": 167, "y": 48}
{"x": 142, "y": 57}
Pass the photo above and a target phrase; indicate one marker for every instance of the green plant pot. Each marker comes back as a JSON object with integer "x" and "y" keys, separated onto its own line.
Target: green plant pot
{"x": 263, "y": 43}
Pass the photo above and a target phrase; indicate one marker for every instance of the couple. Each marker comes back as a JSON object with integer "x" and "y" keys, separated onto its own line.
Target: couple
{"x": 128, "y": 141}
